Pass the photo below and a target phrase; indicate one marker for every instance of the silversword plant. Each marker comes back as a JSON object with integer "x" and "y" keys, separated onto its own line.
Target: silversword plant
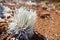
{"x": 24, "y": 22}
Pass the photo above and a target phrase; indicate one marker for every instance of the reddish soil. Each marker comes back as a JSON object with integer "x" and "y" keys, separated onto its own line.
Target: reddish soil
{"x": 47, "y": 28}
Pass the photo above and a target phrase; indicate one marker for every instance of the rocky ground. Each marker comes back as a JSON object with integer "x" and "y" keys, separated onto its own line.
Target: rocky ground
{"x": 47, "y": 25}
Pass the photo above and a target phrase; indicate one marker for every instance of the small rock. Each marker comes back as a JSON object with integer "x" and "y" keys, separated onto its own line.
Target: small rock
{"x": 44, "y": 15}
{"x": 2, "y": 20}
{"x": 31, "y": 3}
{"x": 57, "y": 11}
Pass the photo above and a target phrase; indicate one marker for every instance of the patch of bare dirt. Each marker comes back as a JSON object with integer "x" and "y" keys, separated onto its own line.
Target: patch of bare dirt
{"x": 47, "y": 25}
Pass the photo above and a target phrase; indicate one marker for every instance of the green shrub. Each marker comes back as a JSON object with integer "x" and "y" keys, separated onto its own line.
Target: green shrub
{"x": 46, "y": 2}
{"x": 58, "y": 3}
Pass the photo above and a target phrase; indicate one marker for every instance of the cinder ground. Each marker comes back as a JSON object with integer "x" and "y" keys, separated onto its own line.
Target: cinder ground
{"x": 47, "y": 28}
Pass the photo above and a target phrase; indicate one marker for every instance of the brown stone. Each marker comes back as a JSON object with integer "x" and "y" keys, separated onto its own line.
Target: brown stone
{"x": 3, "y": 26}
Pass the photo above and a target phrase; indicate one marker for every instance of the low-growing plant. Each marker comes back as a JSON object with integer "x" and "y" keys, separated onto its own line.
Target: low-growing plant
{"x": 46, "y": 2}
{"x": 25, "y": 21}
{"x": 58, "y": 3}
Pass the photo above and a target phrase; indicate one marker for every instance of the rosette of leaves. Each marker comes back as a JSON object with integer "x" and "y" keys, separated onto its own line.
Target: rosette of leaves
{"x": 25, "y": 21}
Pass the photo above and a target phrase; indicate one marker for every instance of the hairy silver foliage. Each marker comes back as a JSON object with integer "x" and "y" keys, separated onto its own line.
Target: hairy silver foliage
{"x": 5, "y": 12}
{"x": 24, "y": 22}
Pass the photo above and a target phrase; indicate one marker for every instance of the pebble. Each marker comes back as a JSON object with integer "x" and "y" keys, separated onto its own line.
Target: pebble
{"x": 2, "y": 20}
